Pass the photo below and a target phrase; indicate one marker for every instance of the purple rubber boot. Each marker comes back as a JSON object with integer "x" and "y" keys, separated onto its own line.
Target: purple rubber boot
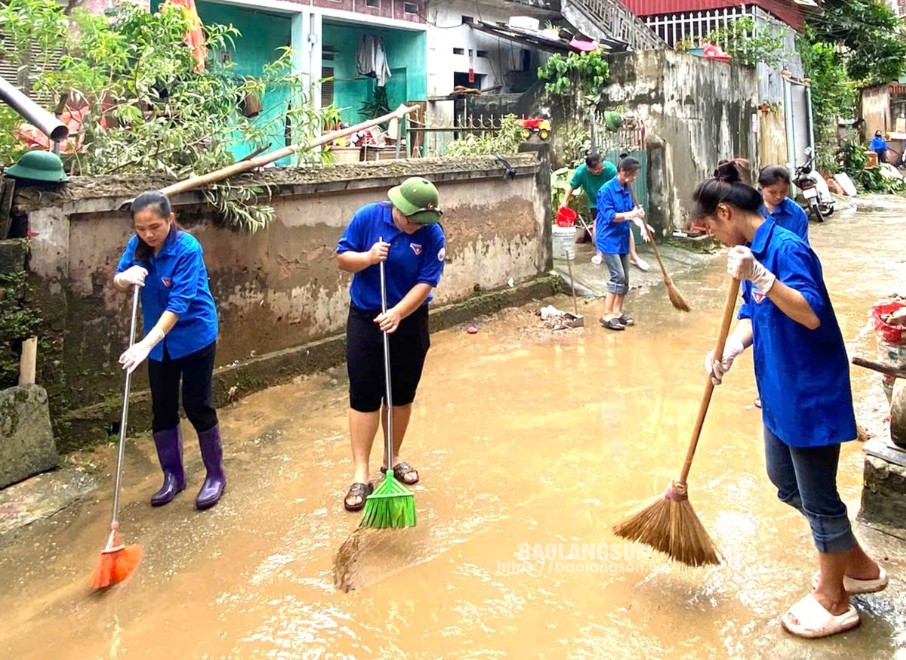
{"x": 169, "y": 453}
{"x": 215, "y": 480}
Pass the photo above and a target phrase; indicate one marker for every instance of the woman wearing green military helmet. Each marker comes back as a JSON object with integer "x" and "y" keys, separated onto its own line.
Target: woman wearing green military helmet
{"x": 403, "y": 234}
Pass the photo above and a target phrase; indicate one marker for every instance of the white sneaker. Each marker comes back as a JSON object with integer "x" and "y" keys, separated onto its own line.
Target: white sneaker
{"x": 641, "y": 264}
{"x": 597, "y": 259}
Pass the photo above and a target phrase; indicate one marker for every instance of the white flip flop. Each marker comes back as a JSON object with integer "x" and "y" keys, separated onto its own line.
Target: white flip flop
{"x": 810, "y": 620}
{"x": 856, "y": 587}
{"x": 641, "y": 264}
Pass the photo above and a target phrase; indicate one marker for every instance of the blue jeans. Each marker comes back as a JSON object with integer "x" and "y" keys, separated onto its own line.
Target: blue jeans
{"x": 618, "y": 264}
{"x": 806, "y": 479}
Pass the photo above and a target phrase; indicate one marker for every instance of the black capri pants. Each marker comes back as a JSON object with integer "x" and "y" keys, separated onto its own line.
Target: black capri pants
{"x": 195, "y": 370}
{"x": 409, "y": 345}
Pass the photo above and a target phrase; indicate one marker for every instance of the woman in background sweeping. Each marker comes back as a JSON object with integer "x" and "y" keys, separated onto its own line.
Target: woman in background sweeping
{"x": 402, "y": 232}
{"x": 802, "y": 374}
{"x": 616, "y": 208}
{"x": 590, "y": 176}
{"x": 180, "y": 322}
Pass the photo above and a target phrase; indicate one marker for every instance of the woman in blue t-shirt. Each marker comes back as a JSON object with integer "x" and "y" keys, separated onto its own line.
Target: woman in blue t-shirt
{"x": 879, "y": 146}
{"x": 403, "y": 232}
{"x": 180, "y": 323}
{"x": 774, "y": 181}
{"x": 802, "y": 374}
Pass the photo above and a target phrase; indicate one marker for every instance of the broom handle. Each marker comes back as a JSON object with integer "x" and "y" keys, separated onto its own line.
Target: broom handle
{"x": 729, "y": 308}
{"x": 265, "y": 159}
{"x": 657, "y": 254}
{"x": 125, "y": 414}
{"x": 389, "y": 390}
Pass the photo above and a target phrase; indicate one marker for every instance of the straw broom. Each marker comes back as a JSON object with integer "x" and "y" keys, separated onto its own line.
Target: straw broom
{"x": 118, "y": 561}
{"x": 670, "y": 524}
{"x": 676, "y": 298}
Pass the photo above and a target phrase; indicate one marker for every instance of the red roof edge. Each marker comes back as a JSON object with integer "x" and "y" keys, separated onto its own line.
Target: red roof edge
{"x": 785, "y": 10}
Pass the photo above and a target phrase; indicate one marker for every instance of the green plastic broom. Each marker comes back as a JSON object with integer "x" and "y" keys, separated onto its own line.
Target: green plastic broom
{"x": 391, "y": 505}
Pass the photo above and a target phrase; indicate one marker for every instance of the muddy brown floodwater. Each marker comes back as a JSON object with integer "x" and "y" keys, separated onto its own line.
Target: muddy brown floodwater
{"x": 530, "y": 444}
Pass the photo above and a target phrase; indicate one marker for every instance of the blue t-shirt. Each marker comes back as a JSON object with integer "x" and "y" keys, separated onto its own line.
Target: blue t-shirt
{"x": 878, "y": 144}
{"x": 790, "y": 215}
{"x": 413, "y": 259}
{"x": 612, "y": 237}
{"x": 177, "y": 282}
{"x": 802, "y": 374}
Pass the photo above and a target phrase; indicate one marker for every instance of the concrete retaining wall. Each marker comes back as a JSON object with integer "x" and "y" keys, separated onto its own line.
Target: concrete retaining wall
{"x": 276, "y": 290}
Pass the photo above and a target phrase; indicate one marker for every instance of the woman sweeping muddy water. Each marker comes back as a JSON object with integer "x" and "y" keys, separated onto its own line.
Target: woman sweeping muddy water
{"x": 802, "y": 374}
{"x": 616, "y": 208}
{"x": 402, "y": 232}
{"x": 180, "y": 340}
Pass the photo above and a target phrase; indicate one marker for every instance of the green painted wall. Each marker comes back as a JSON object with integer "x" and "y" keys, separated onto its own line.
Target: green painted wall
{"x": 261, "y": 36}
{"x": 406, "y": 55}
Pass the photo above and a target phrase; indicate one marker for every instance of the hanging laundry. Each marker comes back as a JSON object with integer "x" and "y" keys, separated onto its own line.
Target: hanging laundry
{"x": 371, "y": 59}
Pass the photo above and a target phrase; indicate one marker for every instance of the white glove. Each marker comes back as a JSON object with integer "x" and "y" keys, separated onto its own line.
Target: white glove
{"x": 742, "y": 265}
{"x": 716, "y": 370}
{"x": 134, "y": 276}
{"x": 645, "y": 230}
{"x": 138, "y": 352}
{"x": 639, "y": 212}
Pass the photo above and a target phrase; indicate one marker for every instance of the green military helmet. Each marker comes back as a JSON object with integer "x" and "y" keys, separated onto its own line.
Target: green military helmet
{"x": 416, "y": 198}
{"x": 613, "y": 120}
{"x": 38, "y": 166}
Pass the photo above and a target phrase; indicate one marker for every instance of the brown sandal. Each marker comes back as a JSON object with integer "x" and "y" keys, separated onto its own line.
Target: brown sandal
{"x": 359, "y": 490}
{"x": 401, "y": 470}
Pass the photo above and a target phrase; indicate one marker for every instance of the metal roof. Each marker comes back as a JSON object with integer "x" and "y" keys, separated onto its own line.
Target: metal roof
{"x": 538, "y": 40}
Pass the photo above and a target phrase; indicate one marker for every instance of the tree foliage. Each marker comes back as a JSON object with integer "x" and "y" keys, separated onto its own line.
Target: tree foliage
{"x": 144, "y": 109}
{"x": 872, "y": 38}
{"x": 582, "y": 72}
{"x": 833, "y": 93}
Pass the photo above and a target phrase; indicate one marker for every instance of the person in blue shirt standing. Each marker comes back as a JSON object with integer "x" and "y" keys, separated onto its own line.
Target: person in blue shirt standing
{"x": 774, "y": 181}
{"x": 590, "y": 177}
{"x": 403, "y": 233}
{"x": 180, "y": 324}
{"x": 616, "y": 208}
{"x": 879, "y": 146}
{"x": 802, "y": 374}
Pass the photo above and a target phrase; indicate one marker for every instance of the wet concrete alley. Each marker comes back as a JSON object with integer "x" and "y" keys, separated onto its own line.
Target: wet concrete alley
{"x": 530, "y": 444}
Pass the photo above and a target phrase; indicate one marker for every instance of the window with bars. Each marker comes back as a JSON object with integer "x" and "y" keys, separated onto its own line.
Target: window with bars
{"x": 410, "y": 7}
{"x": 326, "y": 86}
{"x": 374, "y": 4}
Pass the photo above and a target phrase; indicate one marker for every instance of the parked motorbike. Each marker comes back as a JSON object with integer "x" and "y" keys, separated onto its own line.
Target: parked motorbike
{"x": 816, "y": 198}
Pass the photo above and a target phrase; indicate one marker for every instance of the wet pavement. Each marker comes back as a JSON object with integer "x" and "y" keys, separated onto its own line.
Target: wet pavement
{"x": 530, "y": 444}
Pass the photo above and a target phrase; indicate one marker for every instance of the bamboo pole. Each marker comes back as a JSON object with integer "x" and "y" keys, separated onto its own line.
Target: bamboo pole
{"x": 265, "y": 159}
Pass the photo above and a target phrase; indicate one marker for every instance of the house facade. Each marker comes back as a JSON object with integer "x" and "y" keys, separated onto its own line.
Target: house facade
{"x": 326, "y": 37}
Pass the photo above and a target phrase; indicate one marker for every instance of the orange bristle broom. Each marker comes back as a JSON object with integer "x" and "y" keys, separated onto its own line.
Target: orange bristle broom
{"x": 118, "y": 561}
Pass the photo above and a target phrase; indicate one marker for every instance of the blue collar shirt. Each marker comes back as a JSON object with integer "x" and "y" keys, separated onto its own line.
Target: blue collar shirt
{"x": 413, "y": 259}
{"x": 802, "y": 374}
{"x": 177, "y": 282}
{"x": 612, "y": 237}
{"x": 790, "y": 215}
